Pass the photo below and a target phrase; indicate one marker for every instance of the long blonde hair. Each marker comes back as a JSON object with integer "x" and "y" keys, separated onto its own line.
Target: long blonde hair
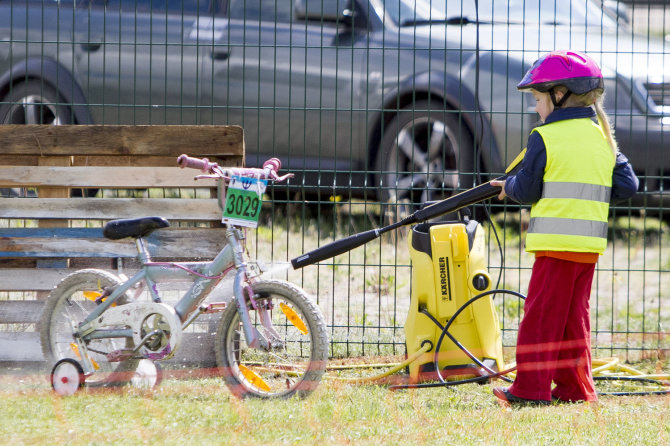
{"x": 593, "y": 98}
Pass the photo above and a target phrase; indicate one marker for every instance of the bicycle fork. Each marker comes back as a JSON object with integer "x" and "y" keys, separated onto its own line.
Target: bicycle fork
{"x": 244, "y": 296}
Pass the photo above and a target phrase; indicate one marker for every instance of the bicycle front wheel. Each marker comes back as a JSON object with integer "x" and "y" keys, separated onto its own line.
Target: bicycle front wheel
{"x": 296, "y": 360}
{"x": 67, "y": 305}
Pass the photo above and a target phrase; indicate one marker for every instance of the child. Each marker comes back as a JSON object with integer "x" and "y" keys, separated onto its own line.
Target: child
{"x": 571, "y": 172}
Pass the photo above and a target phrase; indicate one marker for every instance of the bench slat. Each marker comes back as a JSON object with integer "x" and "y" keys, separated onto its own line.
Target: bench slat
{"x": 27, "y": 279}
{"x": 108, "y": 208}
{"x": 101, "y": 177}
{"x": 20, "y": 346}
{"x": 123, "y": 140}
{"x": 50, "y": 242}
{"x": 20, "y": 311}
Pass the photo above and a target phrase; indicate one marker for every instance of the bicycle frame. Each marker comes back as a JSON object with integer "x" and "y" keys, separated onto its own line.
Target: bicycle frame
{"x": 204, "y": 277}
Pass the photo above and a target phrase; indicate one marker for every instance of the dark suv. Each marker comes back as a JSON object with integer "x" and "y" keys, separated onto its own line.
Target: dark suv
{"x": 404, "y": 98}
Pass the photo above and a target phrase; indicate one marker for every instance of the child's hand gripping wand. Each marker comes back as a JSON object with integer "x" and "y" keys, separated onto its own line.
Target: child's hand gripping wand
{"x": 471, "y": 196}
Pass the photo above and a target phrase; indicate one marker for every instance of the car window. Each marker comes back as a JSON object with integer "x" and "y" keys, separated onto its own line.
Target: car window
{"x": 261, "y": 10}
{"x": 156, "y": 6}
{"x": 550, "y": 12}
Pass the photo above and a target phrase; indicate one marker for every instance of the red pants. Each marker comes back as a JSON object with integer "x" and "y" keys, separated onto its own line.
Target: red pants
{"x": 554, "y": 342}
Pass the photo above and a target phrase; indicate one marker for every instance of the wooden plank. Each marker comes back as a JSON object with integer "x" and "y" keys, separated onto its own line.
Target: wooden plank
{"x": 175, "y": 243}
{"x": 28, "y": 279}
{"x": 20, "y": 346}
{"x": 110, "y": 208}
{"x": 121, "y": 140}
{"x": 196, "y": 348}
{"x": 45, "y": 279}
{"x": 53, "y": 192}
{"x": 20, "y": 311}
{"x": 24, "y": 311}
{"x": 135, "y": 161}
{"x": 101, "y": 177}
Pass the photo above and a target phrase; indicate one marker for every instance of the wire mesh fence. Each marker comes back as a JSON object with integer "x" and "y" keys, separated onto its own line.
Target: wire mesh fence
{"x": 378, "y": 106}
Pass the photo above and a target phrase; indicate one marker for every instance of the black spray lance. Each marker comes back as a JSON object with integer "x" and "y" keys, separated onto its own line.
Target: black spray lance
{"x": 451, "y": 204}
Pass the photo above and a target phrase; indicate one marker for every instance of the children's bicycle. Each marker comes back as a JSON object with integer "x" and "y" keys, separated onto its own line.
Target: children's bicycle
{"x": 101, "y": 330}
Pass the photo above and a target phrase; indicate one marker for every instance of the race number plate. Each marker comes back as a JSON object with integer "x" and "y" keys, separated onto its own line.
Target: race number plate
{"x": 243, "y": 201}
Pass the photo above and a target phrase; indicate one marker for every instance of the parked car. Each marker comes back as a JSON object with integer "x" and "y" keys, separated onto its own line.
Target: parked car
{"x": 394, "y": 99}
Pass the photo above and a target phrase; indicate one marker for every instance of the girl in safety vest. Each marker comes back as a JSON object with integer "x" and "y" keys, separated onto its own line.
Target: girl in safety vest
{"x": 570, "y": 174}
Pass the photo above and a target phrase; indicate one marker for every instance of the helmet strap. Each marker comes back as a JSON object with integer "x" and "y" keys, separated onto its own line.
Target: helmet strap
{"x": 563, "y": 99}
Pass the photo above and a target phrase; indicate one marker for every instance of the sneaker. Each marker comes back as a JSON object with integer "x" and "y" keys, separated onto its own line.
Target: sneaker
{"x": 508, "y": 398}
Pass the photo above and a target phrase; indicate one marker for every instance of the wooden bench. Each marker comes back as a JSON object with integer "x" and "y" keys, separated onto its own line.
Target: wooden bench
{"x": 45, "y": 237}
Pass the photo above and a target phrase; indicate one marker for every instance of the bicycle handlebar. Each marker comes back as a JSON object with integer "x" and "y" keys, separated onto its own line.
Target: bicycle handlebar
{"x": 196, "y": 163}
{"x": 268, "y": 171}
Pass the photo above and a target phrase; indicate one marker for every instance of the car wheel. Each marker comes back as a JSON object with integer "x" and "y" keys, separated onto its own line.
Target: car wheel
{"x": 426, "y": 154}
{"x": 34, "y": 102}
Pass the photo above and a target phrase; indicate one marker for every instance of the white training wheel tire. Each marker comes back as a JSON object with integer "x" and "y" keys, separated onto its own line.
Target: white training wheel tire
{"x": 67, "y": 376}
{"x": 148, "y": 375}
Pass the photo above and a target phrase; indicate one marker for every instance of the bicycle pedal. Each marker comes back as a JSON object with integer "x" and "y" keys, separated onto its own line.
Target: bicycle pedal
{"x": 120, "y": 355}
{"x": 215, "y": 307}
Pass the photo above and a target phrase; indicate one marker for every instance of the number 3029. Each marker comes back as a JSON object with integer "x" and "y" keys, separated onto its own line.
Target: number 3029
{"x": 242, "y": 205}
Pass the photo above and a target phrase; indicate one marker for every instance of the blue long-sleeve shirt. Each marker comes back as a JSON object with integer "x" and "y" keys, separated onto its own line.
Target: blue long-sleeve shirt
{"x": 526, "y": 186}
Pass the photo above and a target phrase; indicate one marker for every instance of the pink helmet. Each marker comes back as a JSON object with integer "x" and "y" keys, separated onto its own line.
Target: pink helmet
{"x": 575, "y": 70}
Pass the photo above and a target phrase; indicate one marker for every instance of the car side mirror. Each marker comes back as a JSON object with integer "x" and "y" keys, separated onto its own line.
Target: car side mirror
{"x": 348, "y": 16}
{"x": 338, "y": 11}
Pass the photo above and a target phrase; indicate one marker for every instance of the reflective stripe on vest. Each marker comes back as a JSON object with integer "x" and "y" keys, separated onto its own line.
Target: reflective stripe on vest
{"x": 568, "y": 226}
{"x": 578, "y": 191}
{"x": 572, "y": 213}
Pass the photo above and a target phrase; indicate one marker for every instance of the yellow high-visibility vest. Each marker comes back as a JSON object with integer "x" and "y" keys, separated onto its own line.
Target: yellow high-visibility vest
{"x": 572, "y": 213}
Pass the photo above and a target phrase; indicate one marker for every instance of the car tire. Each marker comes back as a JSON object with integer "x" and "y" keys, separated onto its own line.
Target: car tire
{"x": 426, "y": 154}
{"x": 34, "y": 102}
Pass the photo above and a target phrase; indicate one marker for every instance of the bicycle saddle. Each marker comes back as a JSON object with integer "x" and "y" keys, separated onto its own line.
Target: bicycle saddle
{"x": 133, "y": 227}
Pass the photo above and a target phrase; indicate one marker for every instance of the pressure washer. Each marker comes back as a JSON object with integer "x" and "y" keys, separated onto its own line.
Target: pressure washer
{"x": 452, "y": 332}
{"x": 449, "y": 271}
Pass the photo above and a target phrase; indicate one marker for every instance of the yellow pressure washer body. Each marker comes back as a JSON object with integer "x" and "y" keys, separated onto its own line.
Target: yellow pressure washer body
{"x": 449, "y": 269}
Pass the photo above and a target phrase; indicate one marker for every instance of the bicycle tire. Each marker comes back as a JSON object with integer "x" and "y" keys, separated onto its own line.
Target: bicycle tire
{"x": 296, "y": 367}
{"x": 65, "y": 307}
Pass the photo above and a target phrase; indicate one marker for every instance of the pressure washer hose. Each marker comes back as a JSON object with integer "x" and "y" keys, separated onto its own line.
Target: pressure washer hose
{"x": 395, "y": 367}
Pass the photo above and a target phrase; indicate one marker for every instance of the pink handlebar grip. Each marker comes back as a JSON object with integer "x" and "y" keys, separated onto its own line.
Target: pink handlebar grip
{"x": 195, "y": 163}
{"x": 272, "y": 164}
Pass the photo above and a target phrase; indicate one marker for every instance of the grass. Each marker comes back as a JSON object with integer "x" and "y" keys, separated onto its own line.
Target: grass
{"x": 202, "y": 411}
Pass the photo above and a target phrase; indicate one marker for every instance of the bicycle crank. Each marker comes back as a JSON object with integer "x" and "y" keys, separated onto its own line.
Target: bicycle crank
{"x": 156, "y": 329}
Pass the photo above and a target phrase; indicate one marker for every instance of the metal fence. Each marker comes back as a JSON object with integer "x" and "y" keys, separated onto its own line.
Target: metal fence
{"x": 377, "y": 106}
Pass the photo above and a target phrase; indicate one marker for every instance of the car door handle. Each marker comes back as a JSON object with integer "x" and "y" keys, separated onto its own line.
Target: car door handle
{"x": 220, "y": 54}
{"x": 91, "y": 46}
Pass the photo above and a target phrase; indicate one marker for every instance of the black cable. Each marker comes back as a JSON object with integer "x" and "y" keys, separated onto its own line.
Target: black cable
{"x": 634, "y": 379}
{"x": 453, "y": 318}
{"x": 461, "y": 346}
{"x": 660, "y": 392}
{"x": 452, "y": 383}
{"x": 445, "y": 332}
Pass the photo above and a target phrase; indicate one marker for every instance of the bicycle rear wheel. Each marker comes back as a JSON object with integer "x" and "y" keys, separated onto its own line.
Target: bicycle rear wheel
{"x": 297, "y": 360}
{"x": 67, "y": 305}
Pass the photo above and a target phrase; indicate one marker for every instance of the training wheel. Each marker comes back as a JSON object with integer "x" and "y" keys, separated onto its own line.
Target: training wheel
{"x": 67, "y": 376}
{"x": 147, "y": 375}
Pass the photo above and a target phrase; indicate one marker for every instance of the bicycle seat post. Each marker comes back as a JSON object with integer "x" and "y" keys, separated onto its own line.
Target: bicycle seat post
{"x": 142, "y": 251}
